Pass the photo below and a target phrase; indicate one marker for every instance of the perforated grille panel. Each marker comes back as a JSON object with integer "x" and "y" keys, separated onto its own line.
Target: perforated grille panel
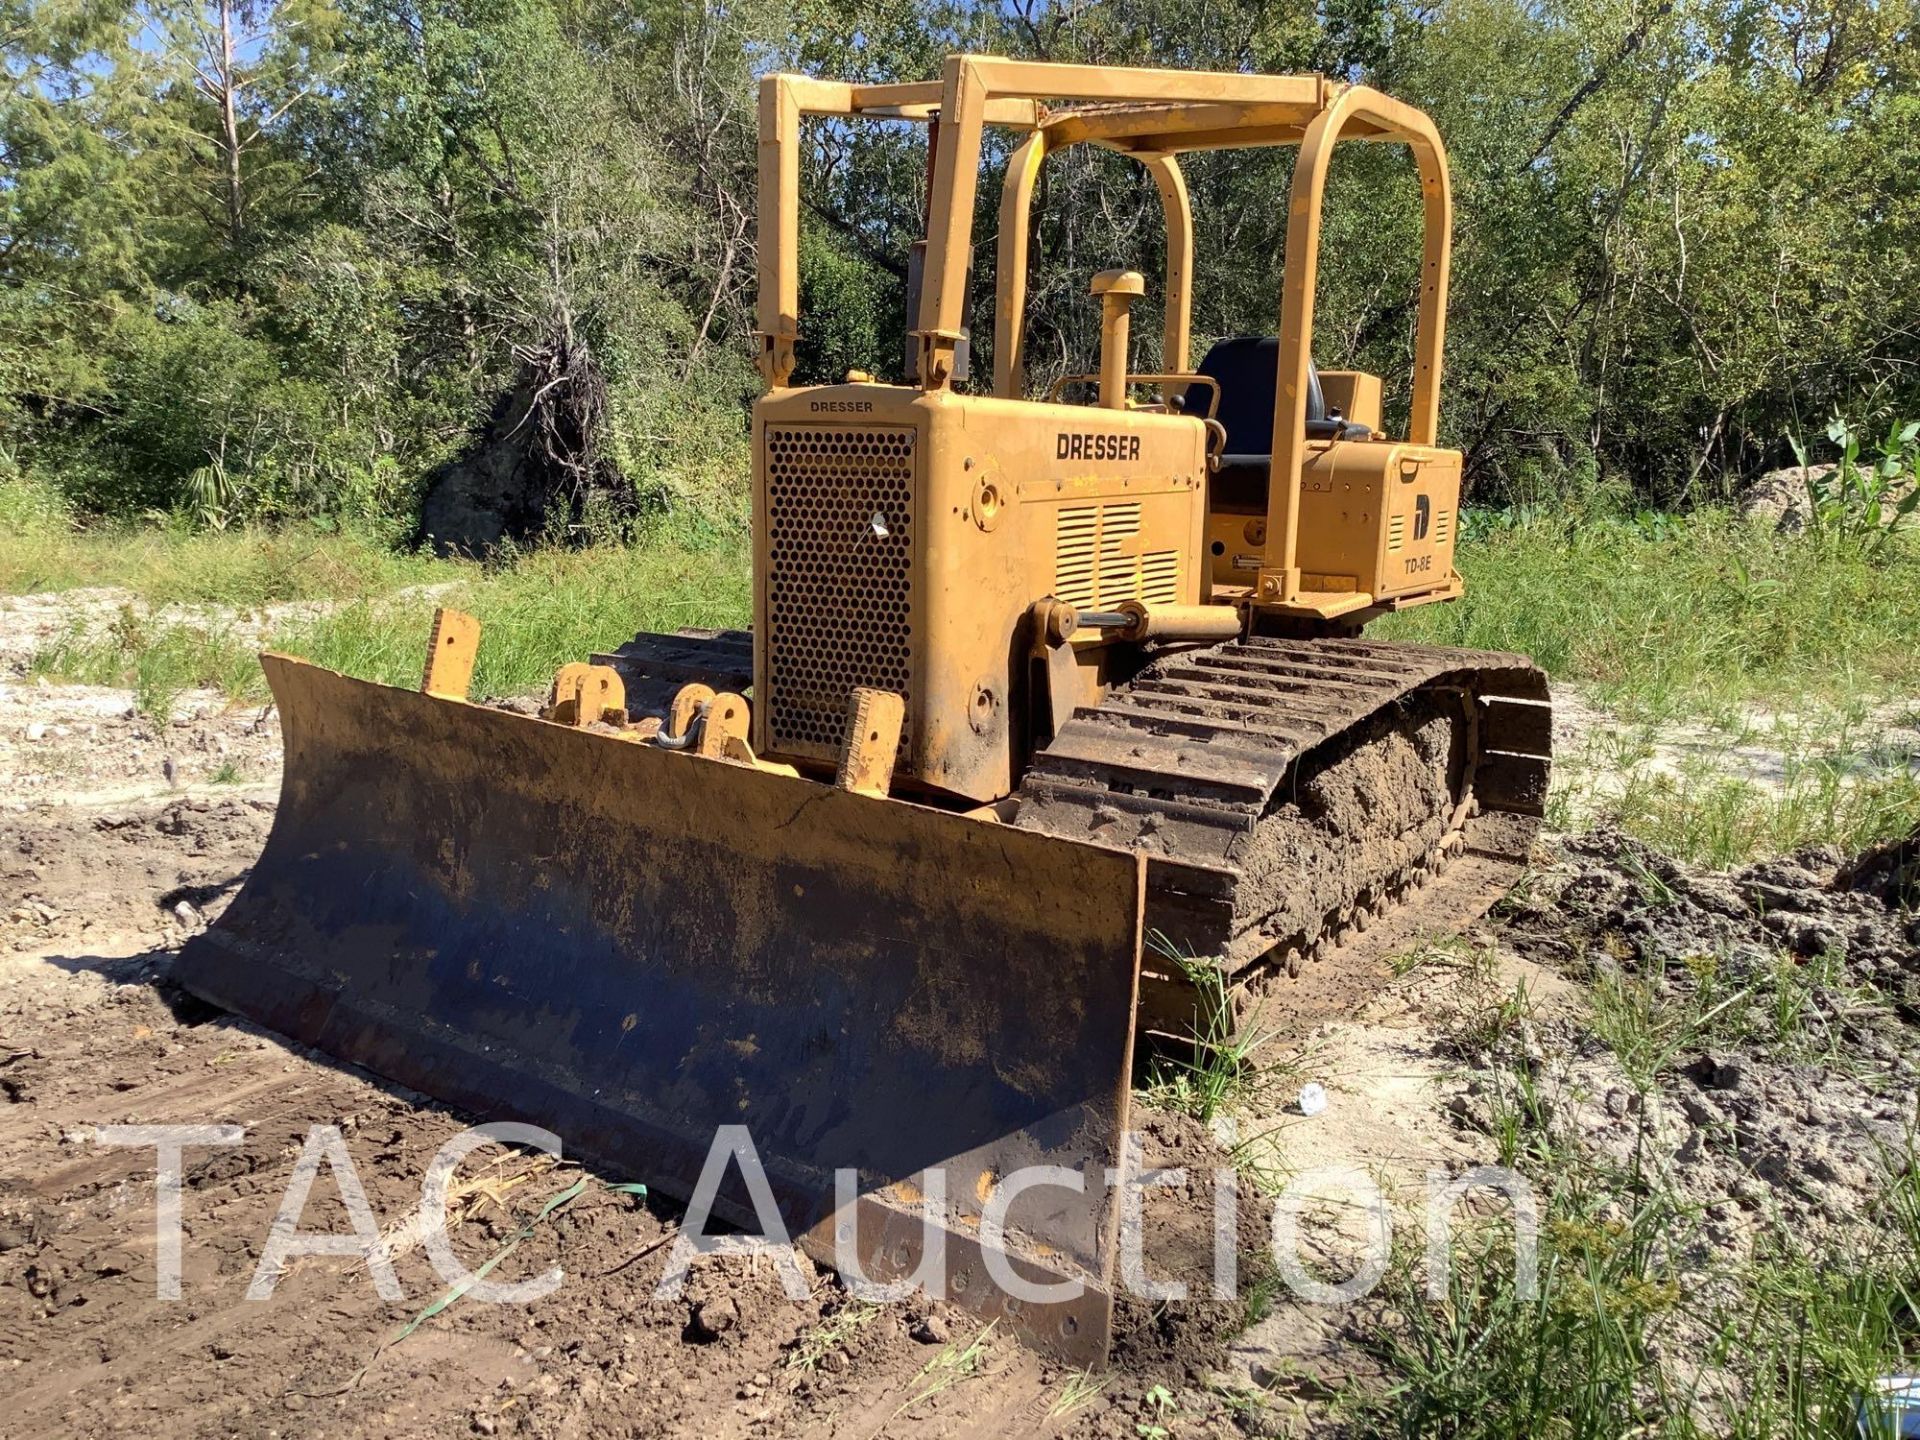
{"x": 839, "y": 584}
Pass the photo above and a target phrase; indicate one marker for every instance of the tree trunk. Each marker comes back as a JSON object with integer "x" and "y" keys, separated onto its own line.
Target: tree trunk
{"x": 230, "y": 129}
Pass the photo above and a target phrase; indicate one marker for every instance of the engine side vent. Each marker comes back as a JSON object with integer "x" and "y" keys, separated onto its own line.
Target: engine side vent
{"x": 1119, "y": 521}
{"x": 1119, "y": 578}
{"x": 1442, "y": 527}
{"x": 1160, "y": 577}
{"x": 1076, "y": 532}
{"x": 1095, "y": 566}
{"x": 840, "y": 603}
{"x": 1396, "y": 533}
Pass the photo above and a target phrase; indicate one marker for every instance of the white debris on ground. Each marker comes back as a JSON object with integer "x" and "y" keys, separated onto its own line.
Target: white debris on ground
{"x": 87, "y": 744}
{"x": 1599, "y": 757}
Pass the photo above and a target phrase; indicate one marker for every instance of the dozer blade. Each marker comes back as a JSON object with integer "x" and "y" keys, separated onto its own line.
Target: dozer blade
{"x": 633, "y": 947}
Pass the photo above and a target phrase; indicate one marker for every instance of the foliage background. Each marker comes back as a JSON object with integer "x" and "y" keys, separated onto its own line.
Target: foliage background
{"x": 274, "y": 258}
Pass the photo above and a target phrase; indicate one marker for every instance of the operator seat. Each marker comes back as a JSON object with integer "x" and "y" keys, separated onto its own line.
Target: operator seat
{"x": 1247, "y": 368}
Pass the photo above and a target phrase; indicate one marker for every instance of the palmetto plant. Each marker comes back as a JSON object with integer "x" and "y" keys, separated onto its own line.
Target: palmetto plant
{"x": 210, "y": 494}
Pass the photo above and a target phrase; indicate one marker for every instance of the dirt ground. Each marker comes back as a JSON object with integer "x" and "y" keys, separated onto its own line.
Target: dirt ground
{"x": 115, "y": 844}
{"x": 90, "y": 1034}
{"x": 119, "y": 837}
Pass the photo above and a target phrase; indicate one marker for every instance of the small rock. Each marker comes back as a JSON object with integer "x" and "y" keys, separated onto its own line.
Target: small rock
{"x": 1716, "y": 1070}
{"x": 932, "y": 1330}
{"x": 713, "y": 1318}
{"x": 1811, "y": 937}
{"x": 36, "y": 732}
{"x": 1751, "y": 1194}
{"x": 186, "y": 914}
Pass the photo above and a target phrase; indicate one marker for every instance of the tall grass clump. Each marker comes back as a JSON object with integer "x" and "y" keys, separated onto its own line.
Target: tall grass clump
{"x": 1214, "y": 1066}
{"x": 157, "y": 660}
{"x": 1637, "y": 1325}
{"x": 1721, "y": 820}
{"x": 1624, "y": 1334}
{"x": 1642, "y": 1319}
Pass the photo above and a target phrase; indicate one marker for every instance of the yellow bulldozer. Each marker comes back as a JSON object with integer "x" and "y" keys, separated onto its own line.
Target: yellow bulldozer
{"x": 1031, "y": 681}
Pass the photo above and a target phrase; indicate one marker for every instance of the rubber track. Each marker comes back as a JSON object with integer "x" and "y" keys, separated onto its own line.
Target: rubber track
{"x": 1183, "y": 761}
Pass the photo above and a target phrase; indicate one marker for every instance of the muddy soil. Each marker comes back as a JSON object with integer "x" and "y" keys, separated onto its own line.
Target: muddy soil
{"x": 1357, "y": 825}
{"x": 143, "y": 875}
{"x": 1795, "y": 1100}
{"x": 90, "y": 1034}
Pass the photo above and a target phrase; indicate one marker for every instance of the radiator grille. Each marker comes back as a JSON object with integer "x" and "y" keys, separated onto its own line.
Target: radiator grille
{"x": 839, "y": 591}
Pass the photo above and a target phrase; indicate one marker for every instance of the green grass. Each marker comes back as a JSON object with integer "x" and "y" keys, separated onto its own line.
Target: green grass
{"x": 1741, "y": 786}
{"x": 1643, "y": 1323}
{"x": 1675, "y": 618}
{"x": 550, "y": 607}
{"x": 1696, "y": 618}
{"x": 1214, "y": 1068}
{"x": 159, "y": 662}
{"x": 1620, "y": 1339}
{"x": 167, "y": 563}
{"x": 1720, "y": 820}
{"x": 1678, "y": 618}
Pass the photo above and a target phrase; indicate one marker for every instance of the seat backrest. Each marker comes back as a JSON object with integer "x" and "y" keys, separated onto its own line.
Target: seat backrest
{"x": 1246, "y": 368}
